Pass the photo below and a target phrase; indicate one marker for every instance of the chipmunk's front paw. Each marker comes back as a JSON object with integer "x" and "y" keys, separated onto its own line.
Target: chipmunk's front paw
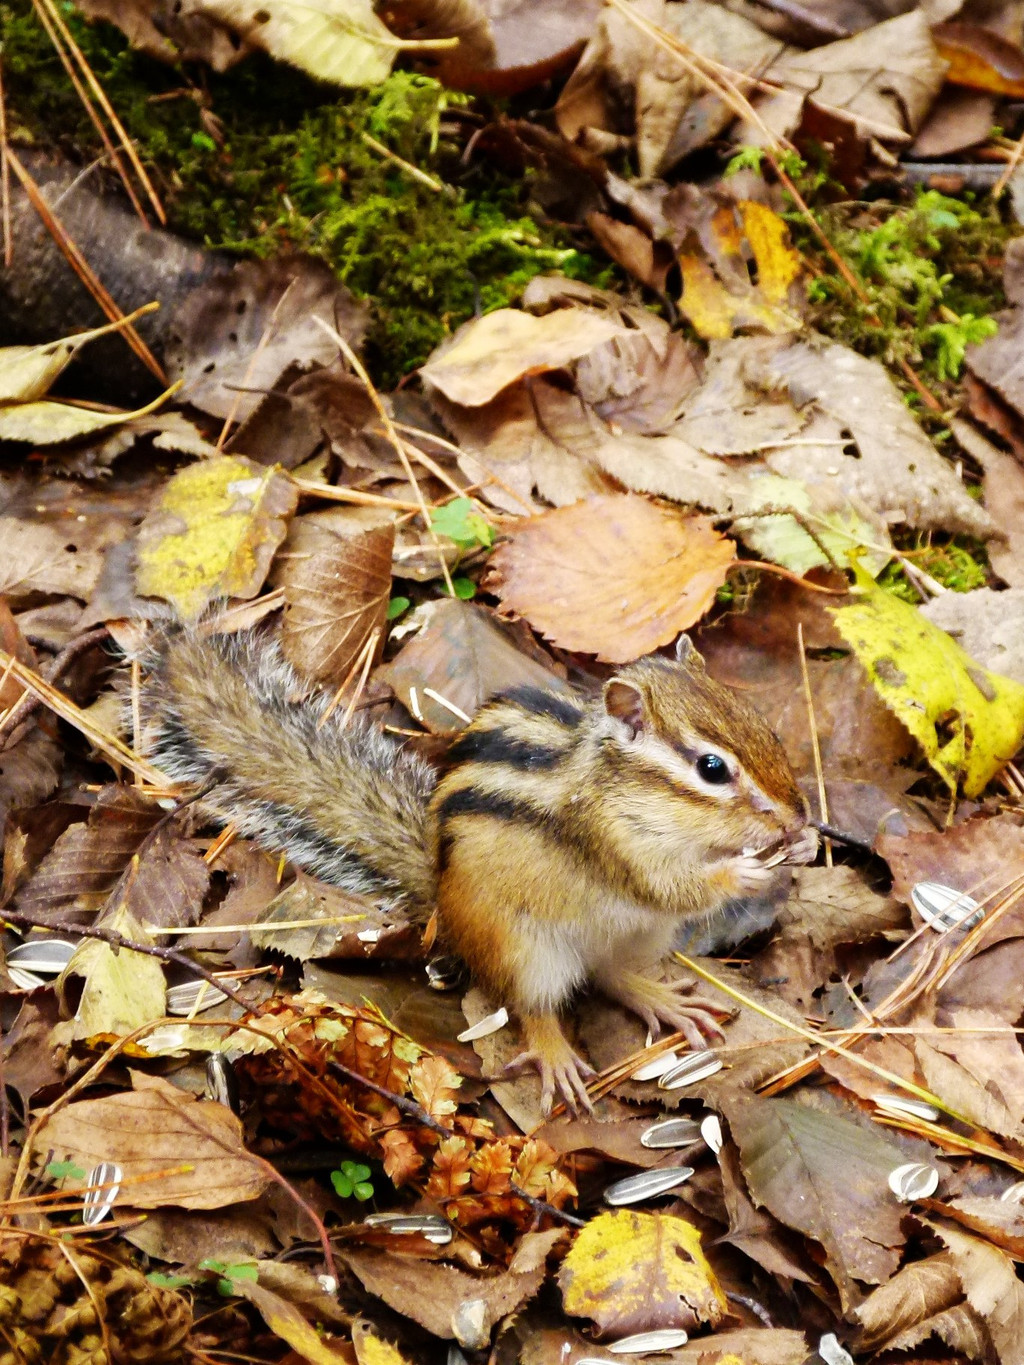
{"x": 560, "y": 1069}
{"x": 666, "y": 1002}
{"x": 750, "y": 874}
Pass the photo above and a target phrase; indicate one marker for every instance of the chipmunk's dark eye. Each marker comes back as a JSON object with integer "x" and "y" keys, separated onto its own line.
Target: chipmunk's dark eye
{"x": 713, "y": 769}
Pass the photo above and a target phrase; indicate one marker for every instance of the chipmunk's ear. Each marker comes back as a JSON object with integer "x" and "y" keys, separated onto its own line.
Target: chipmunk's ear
{"x": 686, "y": 653}
{"x": 625, "y": 702}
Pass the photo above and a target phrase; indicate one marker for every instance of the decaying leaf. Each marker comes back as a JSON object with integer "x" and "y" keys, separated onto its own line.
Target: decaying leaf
{"x": 719, "y": 296}
{"x": 213, "y": 533}
{"x": 488, "y": 354}
{"x": 614, "y": 576}
{"x": 156, "y": 1127}
{"x": 456, "y": 661}
{"x": 237, "y": 333}
{"x": 336, "y": 578}
{"x": 969, "y": 722}
{"x": 638, "y": 1272}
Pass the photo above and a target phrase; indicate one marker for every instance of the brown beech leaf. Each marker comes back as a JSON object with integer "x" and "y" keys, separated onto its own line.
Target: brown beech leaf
{"x": 614, "y": 576}
{"x": 825, "y": 1176}
{"x": 463, "y": 655}
{"x": 88, "y": 858}
{"x": 157, "y": 1127}
{"x": 337, "y": 580}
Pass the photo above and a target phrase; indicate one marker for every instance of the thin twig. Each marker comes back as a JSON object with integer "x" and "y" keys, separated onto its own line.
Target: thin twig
{"x": 118, "y": 941}
{"x": 5, "y": 177}
{"x": 115, "y": 749}
{"x": 396, "y": 441}
{"x": 540, "y": 1206}
{"x": 405, "y": 1106}
{"x": 30, "y": 702}
{"x": 815, "y": 746}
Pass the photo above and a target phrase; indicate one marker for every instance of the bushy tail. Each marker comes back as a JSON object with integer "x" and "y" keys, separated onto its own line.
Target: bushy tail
{"x": 348, "y": 805}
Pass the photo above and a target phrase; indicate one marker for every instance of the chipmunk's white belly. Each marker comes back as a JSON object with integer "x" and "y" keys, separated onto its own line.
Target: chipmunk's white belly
{"x": 556, "y": 959}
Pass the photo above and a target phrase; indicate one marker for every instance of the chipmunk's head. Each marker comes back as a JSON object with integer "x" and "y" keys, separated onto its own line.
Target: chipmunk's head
{"x": 709, "y": 746}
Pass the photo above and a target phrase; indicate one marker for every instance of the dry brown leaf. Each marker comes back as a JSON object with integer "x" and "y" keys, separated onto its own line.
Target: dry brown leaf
{"x": 914, "y": 1294}
{"x": 885, "y": 79}
{"x": 464, "y": 655}
{"x": 791, "y": 1155}
{"x": 337, "y": 580}
{"x": 489, "y": 353}
{"x": 40, "y": 556}
{"x": 433, "y": 1295}
{"x": 157, "y": 1127}
{"x": 88, "y": 858}
{"x": 614, "y": 576}
{"x": 237, "y": 334}
{"x": 993, "y": 1290}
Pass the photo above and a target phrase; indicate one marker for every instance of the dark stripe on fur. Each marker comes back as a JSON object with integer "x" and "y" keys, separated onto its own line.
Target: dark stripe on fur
{"x": 540, "y": 703}
{"x": 473, "y": 801}
{"x": 497, "y": 746}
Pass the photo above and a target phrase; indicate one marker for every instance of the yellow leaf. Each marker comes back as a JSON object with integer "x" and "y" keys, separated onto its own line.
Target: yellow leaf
{"x": 287, "y": 1323}
{"x": 637, "y": 1272}
{"x": 122, "y": 990}
{"x": 341, "y": 41}
{"x": 778, "y": 265}
{"x": 213, "y": 533}
{"x": 48, "y": 423}
{"x": 968, "y": 721}
{"x": 718, "y": 296}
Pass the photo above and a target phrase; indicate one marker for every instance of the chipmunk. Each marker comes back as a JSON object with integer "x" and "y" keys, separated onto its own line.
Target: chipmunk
{"x": 565, "y": 844}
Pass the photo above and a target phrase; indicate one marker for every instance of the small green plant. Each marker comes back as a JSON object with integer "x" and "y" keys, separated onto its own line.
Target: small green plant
{"x": 230, "y": 1273}
{"x": 65, "y": 1170}
{"x": 746, "y": 159}
{"x": 952, "y": 338}
{"x": 352, "y": 1181}
{"x": 461, "y": 521}
{"x": 397, "y": 607}
{"x": 465, "y": 589}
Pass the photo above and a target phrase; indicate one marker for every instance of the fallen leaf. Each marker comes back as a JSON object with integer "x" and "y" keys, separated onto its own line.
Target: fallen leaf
{"x": 341, "y": 41}
{"x": 614, "y": 576}
{"x": 825, "y": 1176}
{"x": 489, "y": 353}
{"x": 432, "y": 1295}
{"x": 980, "y": 58}
{"x": 640, "y": 1272}
{"x": 237, "y": 333}
{"x": 289, "y": 1325}
{"x": 993, "y": 1290}
{"x": 122, "y": 990}
{"x": 463, "y": 655}
{"x": 213, "y": 533}
{"x": 885, "y": 79}
{"x": 968, "y": 721}
{"x": 337, "y": 581}
{"x": 722, "y": 293}
{"x": 154, "y": 1128}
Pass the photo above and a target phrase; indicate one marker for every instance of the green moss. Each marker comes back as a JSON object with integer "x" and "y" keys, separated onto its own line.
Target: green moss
{"x": 931, "y": 270}
{"x": 263, "y": 157}
{"x": 960, "y": 565}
